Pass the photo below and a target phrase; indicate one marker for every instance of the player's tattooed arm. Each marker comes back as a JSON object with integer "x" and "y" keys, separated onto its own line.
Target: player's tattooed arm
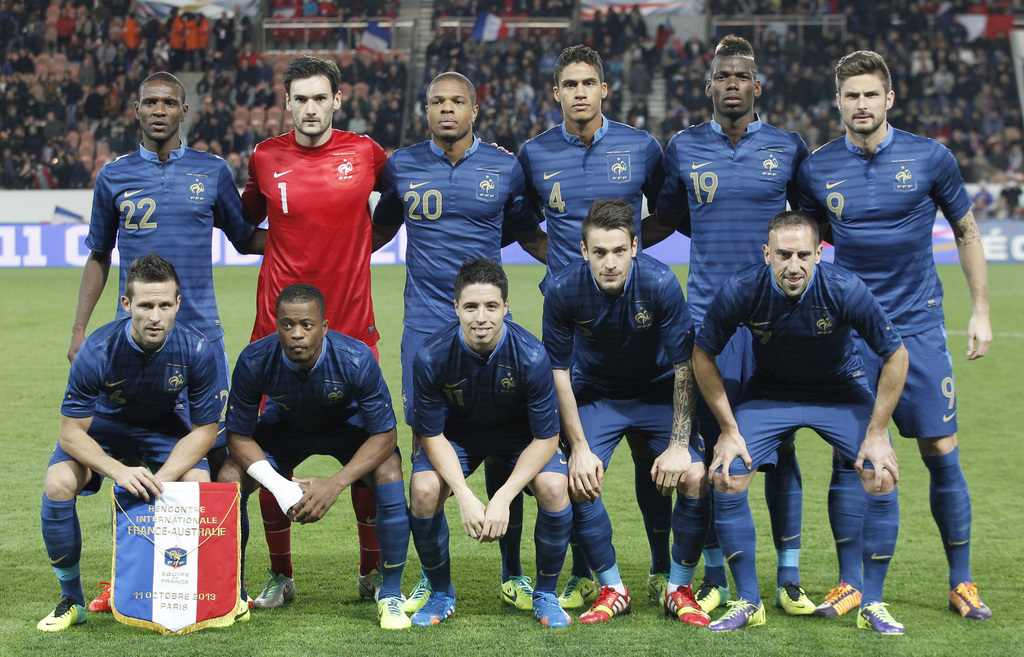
{"x": 684, "y": 402}
{"x": 965, "y": 230}
{"x": 972, "y": 262}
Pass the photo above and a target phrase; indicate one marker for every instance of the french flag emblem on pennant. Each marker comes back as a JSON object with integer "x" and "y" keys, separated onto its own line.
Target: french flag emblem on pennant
{"x": 177, "y": 558}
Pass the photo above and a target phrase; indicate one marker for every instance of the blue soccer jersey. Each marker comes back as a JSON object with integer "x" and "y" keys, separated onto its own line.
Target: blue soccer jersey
{"x": 112, "y": 378}
{"x": 144, "y": 205}
{"x": 343, "y": 393}
{"x": 803, "y": 348}
{"x": 451, "y": 212}
{"x": 509, "y": 396}
{"x": 882, "y": 210}
{"x": 730, "y": 193}
{"x": 564, "y": 178}
{"x": 618, "y": 346}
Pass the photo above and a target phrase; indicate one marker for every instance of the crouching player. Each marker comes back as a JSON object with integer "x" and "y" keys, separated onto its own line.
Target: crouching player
{"x": 801, "y": 313}
{"x": 120, "y": 405}
{"x": 325, "y": 395}
{"x": 483, "y": 387}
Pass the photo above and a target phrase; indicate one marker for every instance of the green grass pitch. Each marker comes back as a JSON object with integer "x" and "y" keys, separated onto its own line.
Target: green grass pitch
{"x": 327, "y": 617}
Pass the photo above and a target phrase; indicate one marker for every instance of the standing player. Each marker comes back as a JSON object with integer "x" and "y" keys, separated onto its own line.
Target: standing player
{"x": 483, "y": 387}
{"x": 879, "y": 187}
{"x": 724, "y": 180}
{"x": 619, "y": 335}
{"x": 326, "y": 395}
{"x": 120, "y": 403}
{"x": 567, "y": 168}
{"x": 455, "y": 196}
{"x": 165, "y": 198}
{"x": 312, "y": 185}
{"x": 806, "y": 374}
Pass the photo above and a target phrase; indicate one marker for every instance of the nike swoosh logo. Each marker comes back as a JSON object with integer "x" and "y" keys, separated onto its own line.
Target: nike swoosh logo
{"x": 880, "y": 557}
{"x": 393, "y": 565}
{"x": 563, "y": 461}
{"x": 758, "y": 323}
{"x": 947, "y": 418}
{"x": 734, "y": 554}
{"x": 694, "y": 165}
{"x": 790, "y": 538}
{"x": 415, "y": 185}
{"x": 116, "y": 383}
{"x": 690, "y": 565}
{"x": 552, "y": 175}
{"x": 278, "y": 175}
{"x": 843, "y": 540}
{"x": 956, "y": 543}
{"x": 544, "y": 574}
{"x": 830, "y": 185}
{"x": 127, "y": 194}
{"x": 54, "y": 561}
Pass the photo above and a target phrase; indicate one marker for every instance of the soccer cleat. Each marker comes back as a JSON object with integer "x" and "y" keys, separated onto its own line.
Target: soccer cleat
{"x": 391, "y": 615}
{"x": 839, "y": 600}
{"x": 876, "y": 617}
{"x": 741, "y": 614}
{"x": 242, "y": 613}
{"x": 711, "y": 596}
{"x": 369, "y": 584}
{"x": 609, "y": 603}
{"x": 418, "y": 597}
{"x": 438, "y": 608}
{"x": 681, "y": 604}
{"x": 578, "y": 592}
{"x": 965, "y": 601}
{"x": 657, "y": 583}
{"x": 518, "y": 592}
{"x": 279, "y": 590}
{"x": 792, "y": 599}
{"x": 548, "y": 611}
{"x": 67, "y": 613}
{"x": 101, "y": 603}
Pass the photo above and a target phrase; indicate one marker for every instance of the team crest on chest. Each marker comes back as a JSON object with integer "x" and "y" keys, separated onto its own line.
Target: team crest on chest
{"x": 335, "y": 392}
{"x": 344, "y": 169}
{"x": 487, "y": 185}
{"x": 825, "y": 325}
{"x": 509, "y": 381}
{"x": 641, "y": 317}
{"x": 903, "y": 179}
{"x": 770, "y": 166}
{"x": 619, "y": 169}
{"x": 196, "y": 187}
{"x": 175, "y": 377}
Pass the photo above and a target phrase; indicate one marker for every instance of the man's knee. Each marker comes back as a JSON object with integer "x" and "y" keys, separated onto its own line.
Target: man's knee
{"x": 425, "y": 490}
{"x": 551, "y": 490}
{"x": 65, "y": 480}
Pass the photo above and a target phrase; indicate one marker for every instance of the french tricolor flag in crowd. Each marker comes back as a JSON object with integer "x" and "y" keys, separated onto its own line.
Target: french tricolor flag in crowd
{"x": 176, "y": 558}
{"x": 375, "y": 38}
{"x": 489, "y": 27}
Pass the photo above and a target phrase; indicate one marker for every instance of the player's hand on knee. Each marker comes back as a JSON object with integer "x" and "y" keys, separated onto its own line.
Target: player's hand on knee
{"x": 138, "y": 481}
{"x": 319, "y": 496}
{"x": 586, "y": 474}
{"x": 880, "y": 454}
{"x": 669, "y": 471}
{"x": 730, "y": 446}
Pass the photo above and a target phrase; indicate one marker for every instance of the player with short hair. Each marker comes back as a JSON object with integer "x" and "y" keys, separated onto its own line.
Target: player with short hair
{"x": 879, "y": 187}
{"x": 619, "y": 335}
{"x": 724, "y": 180}
{"x": 483, "y": 387}
{"x": 455, "y": 196}
{"x": 313, "y": 185}
{"x": 325, "y": 395}
{"x": 167, "y": 198}
{"x": 568, "y": 167}
{"x": 121, "y": 403}
{"x": 801, "y": 313}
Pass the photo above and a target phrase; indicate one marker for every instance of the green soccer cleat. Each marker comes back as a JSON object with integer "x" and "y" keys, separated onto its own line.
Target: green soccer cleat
{"x": 876, "y": 617}
{"x": 792, "y": 599}
{"x": 518, "y": 592}
{"x": 579, "y": 592}
{"x": 391, "y": 615}
{"x": 418, "y": 596}
{"x": 711, "y": 596}
{"x": 656, "y": 585}
{"x": 741, "y": 614}
{"x": 67, "y": 613}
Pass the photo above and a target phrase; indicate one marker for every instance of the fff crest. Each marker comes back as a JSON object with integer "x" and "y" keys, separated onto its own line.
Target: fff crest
{"x": 825, "y": 325}
{"x": 619, "y": 169}
{"x": 487, "y": 186}
{"x": 508, "y": 382}
{"x": 197, "y": 191}
{"x": 642, "y": 318}
{"x": 903, "y": 180}
{"x": 770, "y": 165}
{"x": 175, "y": 381}
{"x": 175, "y": 557}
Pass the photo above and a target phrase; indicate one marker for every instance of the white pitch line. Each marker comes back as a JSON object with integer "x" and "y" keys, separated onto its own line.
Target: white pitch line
{"x": 997, "y": 335}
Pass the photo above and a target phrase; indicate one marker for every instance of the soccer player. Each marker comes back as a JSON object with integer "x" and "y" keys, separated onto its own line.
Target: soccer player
{"x": 120, "y": 403}
{"x": 800, "y": 312}
{"x": 455, "y": 195}
{"x": 567, "y": 168}
{"x": 325, "y": 395}
{"x": 619, "y": 335}
{"x": 879, "y": 187}
{"x": 165, "y": 198}
{"x": 483, "y": 387}
{"x": 312, "y": 185}
{"x": 724, "y": 180}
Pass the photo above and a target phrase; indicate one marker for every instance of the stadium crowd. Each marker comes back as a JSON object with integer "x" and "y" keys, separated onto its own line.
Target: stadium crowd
{"x": 70, "y": 71}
